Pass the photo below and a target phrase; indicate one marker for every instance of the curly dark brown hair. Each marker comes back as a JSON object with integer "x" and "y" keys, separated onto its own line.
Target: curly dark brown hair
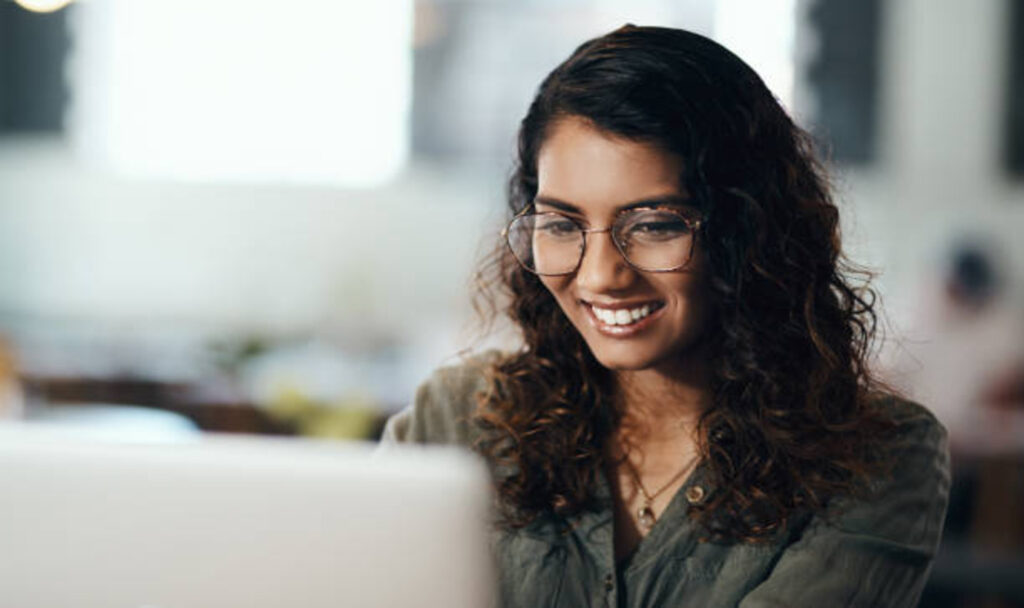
{"x": 794, "y": 420}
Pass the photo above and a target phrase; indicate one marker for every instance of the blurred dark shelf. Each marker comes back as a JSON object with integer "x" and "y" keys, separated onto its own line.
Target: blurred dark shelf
{"x": 220, "y": 416}
{"x": 962, "y": 567}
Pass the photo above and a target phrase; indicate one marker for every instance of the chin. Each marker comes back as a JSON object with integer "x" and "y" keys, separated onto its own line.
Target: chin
{"x": 626, "y": 357}
{"x": 635, "y": 356}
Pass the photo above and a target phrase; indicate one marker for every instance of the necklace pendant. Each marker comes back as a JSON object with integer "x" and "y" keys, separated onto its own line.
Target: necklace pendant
{"x": 645, "y": 516}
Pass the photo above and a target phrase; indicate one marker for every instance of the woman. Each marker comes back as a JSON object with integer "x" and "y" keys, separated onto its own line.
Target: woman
{"x": 691, "y": 420}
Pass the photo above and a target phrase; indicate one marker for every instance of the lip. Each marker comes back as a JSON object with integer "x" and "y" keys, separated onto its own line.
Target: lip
{"x": 622, "y": 331}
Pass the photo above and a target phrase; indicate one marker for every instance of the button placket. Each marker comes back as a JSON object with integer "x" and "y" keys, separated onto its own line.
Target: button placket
{"x": 608, "y": 584}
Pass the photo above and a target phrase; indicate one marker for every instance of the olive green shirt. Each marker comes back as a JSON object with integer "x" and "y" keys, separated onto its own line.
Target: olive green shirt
{"x": 873, "y": 554}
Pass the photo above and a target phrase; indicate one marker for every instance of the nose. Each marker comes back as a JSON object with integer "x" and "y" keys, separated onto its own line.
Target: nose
{"x": 603, "y": 269}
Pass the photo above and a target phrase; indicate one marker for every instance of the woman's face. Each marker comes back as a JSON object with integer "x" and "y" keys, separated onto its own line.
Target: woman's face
{"x": 590, "y": 175}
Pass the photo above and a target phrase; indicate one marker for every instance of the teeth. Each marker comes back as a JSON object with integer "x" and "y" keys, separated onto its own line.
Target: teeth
{"x": 621, "y": 316}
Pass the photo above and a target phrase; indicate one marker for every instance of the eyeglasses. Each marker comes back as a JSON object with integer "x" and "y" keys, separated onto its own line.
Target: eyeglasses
{"x": 649, "y": 239}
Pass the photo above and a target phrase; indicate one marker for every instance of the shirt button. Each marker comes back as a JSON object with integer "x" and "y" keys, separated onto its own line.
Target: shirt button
{"x": 609, "y": 582}
{"x": 694, "y": 494}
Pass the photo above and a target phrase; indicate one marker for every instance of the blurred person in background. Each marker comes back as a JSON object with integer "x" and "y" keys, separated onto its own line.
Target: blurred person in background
{"x": 964, "y": 351}
{"x": 691, "y": 419}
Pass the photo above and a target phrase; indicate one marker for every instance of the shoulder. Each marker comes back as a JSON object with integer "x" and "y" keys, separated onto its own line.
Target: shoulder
{"x": 907, "y": 414}
{"x": 444, "y": 403}
{"x": 871, "y": 550}
{"x": 907, "y": 500}
{"x": 918, "y": 442}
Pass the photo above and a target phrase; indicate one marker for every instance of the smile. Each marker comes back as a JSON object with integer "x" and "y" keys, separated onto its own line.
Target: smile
{"x": 622, "y": 321}
{"x": 621, "y": 316}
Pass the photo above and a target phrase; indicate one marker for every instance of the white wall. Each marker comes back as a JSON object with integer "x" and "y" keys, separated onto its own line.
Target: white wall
{"x": 78, "y": 244}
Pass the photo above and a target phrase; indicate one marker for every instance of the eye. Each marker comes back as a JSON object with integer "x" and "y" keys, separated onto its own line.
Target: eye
{"x": 554, "y": 225}
{"x": 654, "y": 226}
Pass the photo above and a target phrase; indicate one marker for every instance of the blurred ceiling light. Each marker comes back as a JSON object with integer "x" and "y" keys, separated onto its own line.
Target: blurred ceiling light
{"x": 42, "y": 6}
{"x": 243, "y": 91}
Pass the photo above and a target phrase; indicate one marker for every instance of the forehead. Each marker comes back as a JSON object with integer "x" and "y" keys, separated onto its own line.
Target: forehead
{"x": 599, "y": 172}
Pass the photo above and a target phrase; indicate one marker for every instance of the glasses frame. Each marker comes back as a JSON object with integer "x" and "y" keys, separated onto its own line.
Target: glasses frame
{"x": 694, "y": 224}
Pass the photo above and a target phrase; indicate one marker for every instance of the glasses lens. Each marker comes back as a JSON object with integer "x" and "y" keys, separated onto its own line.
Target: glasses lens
{"x": 546, "y": 243}
{"x": 655, "y": 239}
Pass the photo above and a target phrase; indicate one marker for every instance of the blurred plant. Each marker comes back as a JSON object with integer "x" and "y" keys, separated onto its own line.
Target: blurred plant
{"x": 351, "y": 417}
{"x": 230, "y": 356}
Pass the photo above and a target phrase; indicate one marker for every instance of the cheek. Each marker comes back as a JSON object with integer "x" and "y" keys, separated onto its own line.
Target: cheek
{"x": 557, "y": 286}
{"x": 693, "y": 296}
{"x": 560, "y": 289}
{"x": 698, "y": 306}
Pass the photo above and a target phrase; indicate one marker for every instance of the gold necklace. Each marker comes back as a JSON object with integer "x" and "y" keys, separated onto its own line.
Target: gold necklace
{"x": 645, "y": 514}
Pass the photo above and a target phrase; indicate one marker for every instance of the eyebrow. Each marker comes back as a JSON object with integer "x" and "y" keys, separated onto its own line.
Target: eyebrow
{"x": 674, "y": 200}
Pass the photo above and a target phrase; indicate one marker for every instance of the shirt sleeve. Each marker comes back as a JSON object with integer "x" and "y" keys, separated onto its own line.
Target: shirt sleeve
{"x": 442, "y": 407}
{"x": 874, "y": 553}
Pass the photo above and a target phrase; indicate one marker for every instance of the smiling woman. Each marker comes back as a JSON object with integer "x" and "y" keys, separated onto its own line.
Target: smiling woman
{"x": 691, "y": 419}
{"x": 609, "y": 284}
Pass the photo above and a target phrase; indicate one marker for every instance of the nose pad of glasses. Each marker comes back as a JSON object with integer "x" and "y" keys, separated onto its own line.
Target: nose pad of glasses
{"x": 601, "y": 257}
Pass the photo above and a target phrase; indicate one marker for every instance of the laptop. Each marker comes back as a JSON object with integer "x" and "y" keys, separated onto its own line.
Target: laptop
{"x": 88, "y": 522}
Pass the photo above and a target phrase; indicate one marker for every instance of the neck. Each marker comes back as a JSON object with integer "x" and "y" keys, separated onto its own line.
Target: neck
{"x": 661, "y": 404}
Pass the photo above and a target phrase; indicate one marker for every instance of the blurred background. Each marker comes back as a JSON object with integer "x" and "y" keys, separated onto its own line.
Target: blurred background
{"x": 263, "y": 217}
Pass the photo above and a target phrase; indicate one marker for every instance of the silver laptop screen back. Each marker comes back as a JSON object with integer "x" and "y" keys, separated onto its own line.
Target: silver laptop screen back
{"x": 238, "y": 522}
